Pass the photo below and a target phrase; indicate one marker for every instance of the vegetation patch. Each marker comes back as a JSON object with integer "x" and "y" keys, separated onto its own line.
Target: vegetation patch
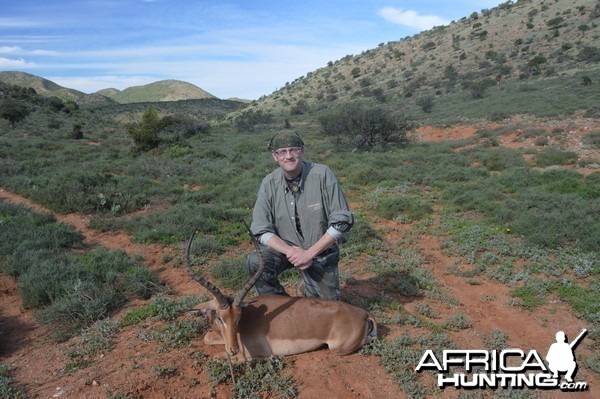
{"x": 69, "y": 291}
{"x": 256, "y": 378}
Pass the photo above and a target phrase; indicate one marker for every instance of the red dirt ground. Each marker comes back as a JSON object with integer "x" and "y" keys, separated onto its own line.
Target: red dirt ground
{"x": 37, "y": 362}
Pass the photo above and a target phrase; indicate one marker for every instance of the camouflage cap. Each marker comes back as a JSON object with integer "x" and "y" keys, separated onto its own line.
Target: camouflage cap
{"x": 285, "y": 140}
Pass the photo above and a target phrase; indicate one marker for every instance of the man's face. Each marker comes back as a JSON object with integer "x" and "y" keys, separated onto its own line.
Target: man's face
{"x": 290, "y": 160}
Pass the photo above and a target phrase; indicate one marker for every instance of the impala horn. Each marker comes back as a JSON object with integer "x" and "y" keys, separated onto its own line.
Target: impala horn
{"x": 220, "y": 297}
{"x": 213, "y": 289}
{"x": 239, "y": 297}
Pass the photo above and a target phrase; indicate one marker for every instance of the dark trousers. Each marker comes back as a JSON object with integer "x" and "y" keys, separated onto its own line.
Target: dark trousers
{"x": 321, "y": 279}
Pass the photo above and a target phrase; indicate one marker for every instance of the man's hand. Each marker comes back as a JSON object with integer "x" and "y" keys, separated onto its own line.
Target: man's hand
{"x": 300, "y": 257}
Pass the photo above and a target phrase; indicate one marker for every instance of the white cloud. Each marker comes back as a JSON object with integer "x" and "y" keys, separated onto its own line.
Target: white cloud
{"x": 10, "y": 50}
{"x": 9, "y": 63}
{"x": 43, "y": 52}
{"x": 18, "y": 50}
{"x": 19, "y": 23}
{"x": 411, "y": 18}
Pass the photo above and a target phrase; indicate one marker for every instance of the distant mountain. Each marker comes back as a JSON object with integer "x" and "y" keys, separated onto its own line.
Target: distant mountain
{"x": 42, "y": 86}
{"x": 164, "y": 90}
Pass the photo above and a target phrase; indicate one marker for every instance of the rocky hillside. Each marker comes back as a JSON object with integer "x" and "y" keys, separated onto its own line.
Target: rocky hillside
{"x": 524, "y": 41}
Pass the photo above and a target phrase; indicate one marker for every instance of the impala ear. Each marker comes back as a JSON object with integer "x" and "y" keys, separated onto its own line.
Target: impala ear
{"x": 198, "y": 312}
{"x": 203, "y": 308}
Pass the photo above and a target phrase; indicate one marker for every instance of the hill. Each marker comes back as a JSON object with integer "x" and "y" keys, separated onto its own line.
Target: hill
{"x": 161, "y": 91}
{"x": 514, "y": 58}
{"x": 164, "y": 90}
{"x": 42, "y": 86}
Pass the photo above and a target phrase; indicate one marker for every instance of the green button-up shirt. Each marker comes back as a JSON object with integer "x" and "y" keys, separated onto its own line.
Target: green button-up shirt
{"x": 319, "y": 204}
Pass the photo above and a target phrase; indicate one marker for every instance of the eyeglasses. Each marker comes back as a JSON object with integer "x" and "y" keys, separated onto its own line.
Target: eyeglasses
{"x": 282, "y": 152}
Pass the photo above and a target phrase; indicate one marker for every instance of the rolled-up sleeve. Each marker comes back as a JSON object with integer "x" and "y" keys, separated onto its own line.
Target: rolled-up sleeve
{"x": 339, "y": 216}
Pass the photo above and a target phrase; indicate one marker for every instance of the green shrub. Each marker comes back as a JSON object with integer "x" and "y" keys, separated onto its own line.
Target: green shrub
{"x": 497, "y": 340}
{"x": 96, "y": 339}
{"x": 13, "y": 111}
{"x": 162, "y": 308}
{"x": 458, "y": 321}
{"x": 585, "y": 301}
{"x": 497, "y": 158}
{"x": 75, "y": 292}
{"x": 8, "y": 388}
{"x": 592, "y": 139}
{"x": 400, "y": 356}
{"x": 248, "y": 120}
{"x": 145, "y": 133}
{"x": 27, "y": 238}
{"x": 554, "y": 220}
{"x": 177, "y": 334}
{"x": 393, "y": 206}
{"x": 231, "y": 273}
{"x": 532, "y": 293}
{"x": 478, "y": 88}
{"x": 553, "y": 156}
{"x": 89, "y": 192}
{"x": 361, "y": 239}
{"x": 255, "y": 379}
{"x": 176, "y": 223}
{"x": 68, "y": 291}
{"x": 364, "y": 127}
{"x": 426, "y": 103}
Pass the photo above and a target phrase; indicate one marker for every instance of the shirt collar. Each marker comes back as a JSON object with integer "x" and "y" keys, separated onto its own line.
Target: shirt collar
{"x": 284, "y": 181}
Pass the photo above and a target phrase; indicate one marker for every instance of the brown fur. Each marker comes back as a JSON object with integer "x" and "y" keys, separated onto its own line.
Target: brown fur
{"x": 271, "y": 325}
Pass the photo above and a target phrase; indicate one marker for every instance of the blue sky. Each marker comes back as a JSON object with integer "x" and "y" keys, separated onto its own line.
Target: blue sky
{"x": 229, "y": 48}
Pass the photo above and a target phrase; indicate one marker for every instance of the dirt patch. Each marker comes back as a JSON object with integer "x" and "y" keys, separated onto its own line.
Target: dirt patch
{"x": 129, "y": 368}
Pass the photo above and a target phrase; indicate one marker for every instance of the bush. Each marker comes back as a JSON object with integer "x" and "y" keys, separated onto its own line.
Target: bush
{"x": 255, "y": 379}
{"x": 79, "y": 290}
{"x": 300, "y": 108}
{"x": 592, "y": 139}
{"x": 426, "y": 103}
{"x": 551, "y": 209}
{"x": 77, "y": 133}
{"x": 364, "y": 127}
{"x": 478, "y": 89}
{"x": 8, "y": 388}
{"x": 68, "y": 291}
{"x": 589, "y": 54}
{"x": 27, "y": 238}
{"x": 13, "y": 111}
{"x": 89, "y": 192}
{"x": 554, "y": 156}
{"x": 145, "y": 133}
{"x": 173, "y": 128}
{"x": 249, "y": 119}
{"x": 497, "y": 158}
{"x": 555, "y": 220}
{"x": 394, "y": 206}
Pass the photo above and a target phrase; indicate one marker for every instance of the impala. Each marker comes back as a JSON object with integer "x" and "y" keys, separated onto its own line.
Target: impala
{"x": 275, "y": 325}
